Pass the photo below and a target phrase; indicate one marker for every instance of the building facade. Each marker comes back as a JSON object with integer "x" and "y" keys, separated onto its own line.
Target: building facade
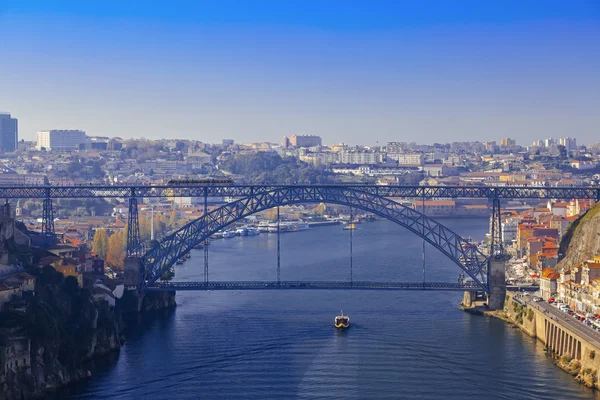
{"x": 60, "y": 140}
{"x": 9, "y": 133}
{"x": 301, "y": 141}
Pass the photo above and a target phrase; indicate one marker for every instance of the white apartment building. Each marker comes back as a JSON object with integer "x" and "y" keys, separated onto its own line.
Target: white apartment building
{"x": 407, "y": 158}
{"x": 359, "y": 157}
{"x": 60, "y": 140}
{"x": 569, "y": 143}
{"x": 509, "y": 229}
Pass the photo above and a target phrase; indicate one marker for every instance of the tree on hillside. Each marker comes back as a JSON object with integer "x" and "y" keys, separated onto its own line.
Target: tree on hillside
{"x": 115, "y": 255}
{"x": 100, "y": 244}
{"x": 145, "y": 229}
{"x": 264, "y": 167}
{"x": 173, "y": 219}
{"x": 321, "y": 209}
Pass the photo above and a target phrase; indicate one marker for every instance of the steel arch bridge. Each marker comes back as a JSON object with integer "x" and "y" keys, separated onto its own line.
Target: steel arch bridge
{"x": 157, "y": 260}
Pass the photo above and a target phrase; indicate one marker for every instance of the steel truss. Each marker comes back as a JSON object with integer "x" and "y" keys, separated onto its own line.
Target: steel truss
{"x": 48, "y": 222}
{"x": 165, "y": 254}
{"x": 487, "y": 192}
{"x": 133, "y": 248}
{"x": 496, "y": 246}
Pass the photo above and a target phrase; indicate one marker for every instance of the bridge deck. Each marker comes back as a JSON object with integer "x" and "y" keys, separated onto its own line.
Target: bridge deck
{"x": 328, "y": 285}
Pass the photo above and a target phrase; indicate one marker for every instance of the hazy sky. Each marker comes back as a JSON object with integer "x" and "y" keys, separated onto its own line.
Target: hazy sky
{"x": 350, "y": 71}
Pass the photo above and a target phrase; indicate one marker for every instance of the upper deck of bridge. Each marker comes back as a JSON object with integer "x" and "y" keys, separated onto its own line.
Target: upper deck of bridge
{"x": 242, "y": 190}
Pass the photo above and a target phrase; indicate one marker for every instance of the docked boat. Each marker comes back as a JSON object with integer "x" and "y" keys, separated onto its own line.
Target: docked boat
{"x": 283, "y": 227}
{"x": 263, "y": 226}
{"x": 242, "y": 232}
{"x": 228, "y": 234}
{"x": 298, "y": 226}
{"x": 342, "y": 321}
{"x": 253, "y": 231}
{"x": 180, "y": 261}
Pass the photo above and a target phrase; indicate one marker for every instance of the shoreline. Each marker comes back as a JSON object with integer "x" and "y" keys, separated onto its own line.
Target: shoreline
{"x": 570, "y": 365}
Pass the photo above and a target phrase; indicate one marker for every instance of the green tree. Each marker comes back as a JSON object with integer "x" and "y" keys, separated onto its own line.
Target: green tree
{"x": 100, "y": 244}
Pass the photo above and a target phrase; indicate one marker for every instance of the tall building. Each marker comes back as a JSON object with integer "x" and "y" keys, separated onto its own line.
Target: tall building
{"x": 300, "y": 141}
{"x": 60, "y": 140}
{"x": 507, "y": 142}
{"x": 569, "y": 143}
{"x": 9, "y": 132}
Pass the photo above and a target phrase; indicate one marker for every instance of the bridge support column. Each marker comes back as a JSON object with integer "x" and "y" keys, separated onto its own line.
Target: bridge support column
{"x": 131, "y": 272}
{"x": 133, "y": 229}
{"x": 48, "y": 222}
{"x": 468, "y": 299}
{"x": 497, "y": 283}
{"x": 496, "y": 245}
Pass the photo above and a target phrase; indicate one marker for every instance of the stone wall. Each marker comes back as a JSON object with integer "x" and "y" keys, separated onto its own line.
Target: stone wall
{"x": 573, "y": 353}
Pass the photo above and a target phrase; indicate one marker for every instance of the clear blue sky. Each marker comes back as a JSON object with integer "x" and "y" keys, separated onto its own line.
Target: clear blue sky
{"x": 352, "y": 71}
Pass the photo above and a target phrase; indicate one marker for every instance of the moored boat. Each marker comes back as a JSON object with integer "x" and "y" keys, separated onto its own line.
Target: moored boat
{"x": 242, "y": 232}
{"x": 228, "y": 234}
{"x": 252, "y": 231}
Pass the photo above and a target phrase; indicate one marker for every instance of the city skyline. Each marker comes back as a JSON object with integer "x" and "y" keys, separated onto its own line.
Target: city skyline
{"x": 348, "y": 73}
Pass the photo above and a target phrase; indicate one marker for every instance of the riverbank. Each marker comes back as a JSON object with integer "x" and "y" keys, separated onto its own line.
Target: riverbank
{"x": 570, "y": 346}
{"x": 51, "y": 339}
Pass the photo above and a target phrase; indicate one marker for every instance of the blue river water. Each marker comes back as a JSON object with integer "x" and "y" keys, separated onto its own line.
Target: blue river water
{"x": 282, "y": 344}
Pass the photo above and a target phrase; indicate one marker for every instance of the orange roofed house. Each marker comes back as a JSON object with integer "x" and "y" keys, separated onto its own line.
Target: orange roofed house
{"x": 549, "y": 283}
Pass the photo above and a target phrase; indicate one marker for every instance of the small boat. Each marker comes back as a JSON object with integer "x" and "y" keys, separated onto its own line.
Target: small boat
{"x": 263, "y": 227}
{"x": 180, "y": 261}
{"x": 348, "y": 227}
{"x": 228, "y": 234}
{"x": 298, "y": 226}
{"x": 253, "y": 231}
{"x": 342, "y": 321}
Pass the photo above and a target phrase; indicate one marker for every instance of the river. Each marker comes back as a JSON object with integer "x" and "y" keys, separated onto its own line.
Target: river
{"x": 282, "y": 344}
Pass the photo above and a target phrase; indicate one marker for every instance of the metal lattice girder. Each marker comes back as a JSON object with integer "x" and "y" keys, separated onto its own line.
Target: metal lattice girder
{"x": 191, "y": 190}
{"x": 496, "y": 246}
{"x": 133, "y": 248}
{"x": 294, "y": 285}
{"x": 47, "y": 219}
{"x": 165, "y": 254}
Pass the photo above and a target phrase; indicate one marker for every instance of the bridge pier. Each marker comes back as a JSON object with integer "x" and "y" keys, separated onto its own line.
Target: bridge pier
{"x": 497, "y": 283}
{"x": 48, "y": 222}
{"x": 131, "y": 273}
{"x": 133, "y": 229}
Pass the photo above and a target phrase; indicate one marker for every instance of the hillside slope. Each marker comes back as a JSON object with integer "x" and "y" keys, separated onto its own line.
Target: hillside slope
{"x": 582, "y": 240}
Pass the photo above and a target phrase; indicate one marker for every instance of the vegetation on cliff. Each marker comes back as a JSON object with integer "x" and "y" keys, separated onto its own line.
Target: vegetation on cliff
{"x": 65, "y": 327}
{"x": 582, "y": 239}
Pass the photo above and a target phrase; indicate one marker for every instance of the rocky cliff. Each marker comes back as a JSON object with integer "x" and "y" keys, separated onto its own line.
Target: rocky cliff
{"x": 582, "y": 240}
{"x": 48, "y": 342}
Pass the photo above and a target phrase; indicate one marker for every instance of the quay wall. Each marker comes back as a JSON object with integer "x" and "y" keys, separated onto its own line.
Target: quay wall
{"x": 574, "y": 352}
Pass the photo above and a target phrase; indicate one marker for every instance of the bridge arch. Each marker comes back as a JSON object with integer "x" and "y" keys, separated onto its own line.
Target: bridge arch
{"x": 173, "y": 247}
